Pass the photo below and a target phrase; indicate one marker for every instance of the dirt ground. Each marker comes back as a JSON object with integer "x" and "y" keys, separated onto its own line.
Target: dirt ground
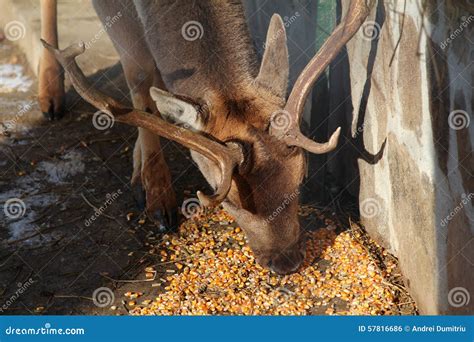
{"x": 56, "y": 253}
{"x": 60, "y": 170}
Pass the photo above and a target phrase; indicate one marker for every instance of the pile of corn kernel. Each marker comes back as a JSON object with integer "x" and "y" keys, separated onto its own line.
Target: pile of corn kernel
{"x": 213, "y": 271}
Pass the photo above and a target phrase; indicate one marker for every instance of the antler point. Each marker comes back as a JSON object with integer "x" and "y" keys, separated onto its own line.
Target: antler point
{"x": 203, "y": 198}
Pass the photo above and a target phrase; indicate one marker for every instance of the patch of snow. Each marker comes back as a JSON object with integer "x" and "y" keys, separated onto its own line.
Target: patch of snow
{"x": 59, "y": 172}
{"x": 24, "y": 226}
{"x": 31, "y": 190}
{"x": 16, "y": 119}
{"x": 12, "y": 79}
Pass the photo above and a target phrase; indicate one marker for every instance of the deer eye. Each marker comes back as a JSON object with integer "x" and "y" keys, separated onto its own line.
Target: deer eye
{"x": 292, "y": 150}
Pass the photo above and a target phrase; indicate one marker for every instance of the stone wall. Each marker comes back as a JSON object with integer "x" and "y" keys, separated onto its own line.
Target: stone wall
{"x": 411, "y": 85}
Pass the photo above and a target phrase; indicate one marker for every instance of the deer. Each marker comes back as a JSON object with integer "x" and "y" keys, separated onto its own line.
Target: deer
{"x": 209, "y": 95}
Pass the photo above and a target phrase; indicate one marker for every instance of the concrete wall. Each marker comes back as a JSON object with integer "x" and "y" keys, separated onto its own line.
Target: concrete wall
{"x": 412, "y": 91}
{"x": 77, "y": 21}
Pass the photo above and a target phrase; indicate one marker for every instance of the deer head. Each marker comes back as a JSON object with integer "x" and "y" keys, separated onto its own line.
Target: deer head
{"x": 249, "y": 148}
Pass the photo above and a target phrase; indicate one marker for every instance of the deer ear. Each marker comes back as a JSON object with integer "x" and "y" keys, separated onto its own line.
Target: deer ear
{"x": 274, "y": 70}
{"x": 177, "y": 109}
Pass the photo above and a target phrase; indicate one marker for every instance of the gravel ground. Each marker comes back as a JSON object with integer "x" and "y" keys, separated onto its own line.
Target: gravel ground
{"x": 211, "y": 270}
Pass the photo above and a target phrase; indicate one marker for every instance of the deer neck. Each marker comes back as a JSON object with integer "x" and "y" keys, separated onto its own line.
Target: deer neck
{"x": 206, "y": 47}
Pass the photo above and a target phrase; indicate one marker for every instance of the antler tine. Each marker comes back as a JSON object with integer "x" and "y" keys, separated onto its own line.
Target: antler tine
{"x": 357, "y": 13}
{"x": 67, "y": 60}
{"x": 226, "y": 157}
{"x": 296, "y": 138}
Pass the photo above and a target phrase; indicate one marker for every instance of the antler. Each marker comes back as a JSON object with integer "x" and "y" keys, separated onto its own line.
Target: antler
{"x": 292, "y": 135}
{"x": 227, "y": 157}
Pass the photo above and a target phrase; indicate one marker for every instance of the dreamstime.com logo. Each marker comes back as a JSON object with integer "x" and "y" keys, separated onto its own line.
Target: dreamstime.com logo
{"x": 281, "y": 120}
{"x": 108, "y": 23}
{"x": 192, "y": 30}
{"x": 22, "y": 287}
{"x": 285, "y": 203}
{"x": 103, "y": 297}
{"x": 390, "y": 5}
{"x": 9, "y": 125}
{"x": 458, "y": 297}
{"x": 464, "y": 200}
{"x": 191, "y": 207}
{"x": 458, "y": 119}
{"x": 110, "y": 198}
{"x": 287, "y": 22}
{"x": 465, "y": 21}
{"x": 371, "y": 30}
{"x": 359, "y": 130}
{"x": 14, "y": 30}
{"x": 14, "y": 208}
{"x": 103, "y": 120}
{"x": 46, "y": 330}
{"x": 369, "y": 208}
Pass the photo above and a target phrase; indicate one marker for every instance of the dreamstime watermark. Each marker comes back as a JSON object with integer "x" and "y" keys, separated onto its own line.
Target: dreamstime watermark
{"x": 191, "y": 207}
{"x": 371, "y": 30}
{"x": 359, "y": 130}
{"x": 22, "y": 287}
{"x": 458, "y": 297}
{"x": 192, "y": 30}
{"x": 465, "y": 21}
{"x": 284, "y": 204}
{"x": 390, "y": 5}
{"x": 103, "y": 120}
{"x": 465, "y": 200}
{"x": 369, "y": 208}
{"x": 182, "y": 128}
{"x": 14, "y": 208}
{"x": 287, "y": 21}
{"x": 103, "y": 297}
{"x": 14, "y": 30}
{"x": 110, "y": 198}
{"x": 46, "y": 330}
{"x": 9, "y": 125}
{"x": 458, "y": 119}
{"x": 281, "y": 120}
{"x": 108, "y": 23}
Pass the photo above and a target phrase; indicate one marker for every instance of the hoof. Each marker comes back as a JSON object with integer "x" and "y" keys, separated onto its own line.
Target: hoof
{"x": 54, "y": 113}
{"x": 52, "y": 116}
{"x": 166, "y": 222}
{"x": 139, "y": 195}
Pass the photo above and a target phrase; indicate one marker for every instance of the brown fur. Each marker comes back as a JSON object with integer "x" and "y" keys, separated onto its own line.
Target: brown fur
{"x": 219, "y": 73}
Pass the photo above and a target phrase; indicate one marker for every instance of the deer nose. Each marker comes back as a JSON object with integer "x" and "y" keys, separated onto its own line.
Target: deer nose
{"x": 286, "y": 262}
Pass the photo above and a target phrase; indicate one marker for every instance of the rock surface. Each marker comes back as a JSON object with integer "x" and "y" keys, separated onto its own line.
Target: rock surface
{"x": 411, "y": 85}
